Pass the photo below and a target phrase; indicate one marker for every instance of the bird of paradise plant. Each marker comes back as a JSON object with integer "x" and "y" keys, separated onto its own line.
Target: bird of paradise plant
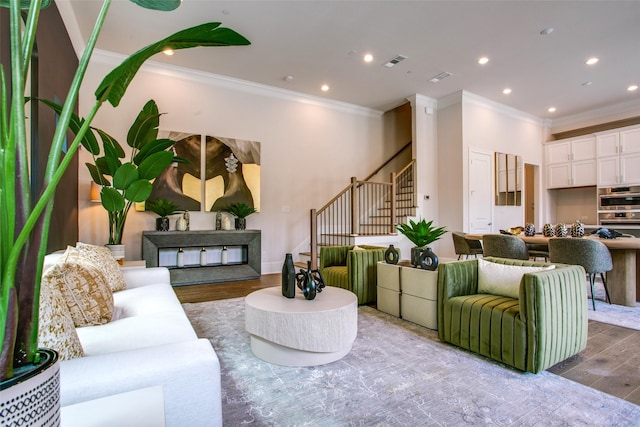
{"x": 25, "y": 217}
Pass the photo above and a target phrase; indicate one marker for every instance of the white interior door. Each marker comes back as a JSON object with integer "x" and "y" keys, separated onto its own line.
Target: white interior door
{"x": 480, "y": 192}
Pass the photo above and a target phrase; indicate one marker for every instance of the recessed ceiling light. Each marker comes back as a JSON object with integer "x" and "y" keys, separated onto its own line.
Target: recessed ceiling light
{"x": 325, "y": 87}
{"x": 367, "y": 57}
{"x": 168, "y": 52}
{"x": 551, "y": 109}
{"x": 632, "y": 88}
{"x": 506, "y": 91}
{"x": 288, "y": 78}
{"x": 546, "y": 31}
{"x": 592, "y": 61}
{"x": 483, "y": 60}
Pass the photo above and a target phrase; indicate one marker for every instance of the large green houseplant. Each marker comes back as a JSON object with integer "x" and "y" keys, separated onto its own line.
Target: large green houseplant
{"x": 25, "y": 217}
{"x": 422, "y": 234}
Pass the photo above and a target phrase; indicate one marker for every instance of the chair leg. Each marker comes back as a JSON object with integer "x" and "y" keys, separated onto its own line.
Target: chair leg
{"x": 459, "y": 256}
{"x": 592, "y": 277}
{"x": 606, "y": 291}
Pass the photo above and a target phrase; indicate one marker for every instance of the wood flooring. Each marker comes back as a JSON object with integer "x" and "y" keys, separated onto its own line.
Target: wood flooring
{"x": 609, "y": 363}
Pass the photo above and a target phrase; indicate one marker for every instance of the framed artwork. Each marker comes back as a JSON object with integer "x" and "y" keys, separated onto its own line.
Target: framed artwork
{"x": 218, "y": 172}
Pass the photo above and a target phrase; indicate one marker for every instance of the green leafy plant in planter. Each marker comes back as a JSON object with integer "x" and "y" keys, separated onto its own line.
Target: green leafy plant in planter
{"x": 163, "y": 208}
{"x": 124, "y": 184}
{"x": 241, "y": 211}
{"x": 25, "y": 217}
{"x": 421, "y": 234}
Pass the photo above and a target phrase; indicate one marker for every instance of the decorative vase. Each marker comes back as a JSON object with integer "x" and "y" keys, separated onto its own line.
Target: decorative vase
{"x": 224, "y": 256}
{"x": 118, "y": 252}
{"x": 577, "y": 229}
{"x": 310, "y": 281}
{"x": 548, "y": 230}
{"x": 203, "y": 257}
{"x": 288, "y": 277}
{"x": 428, "y": 259}
{"x": 180, "y": 258}
{"x": 218, "y": 220}
{"x": 162, "y": 224}
{"x": 561, "y": 230}
{"x": 241, "y": 223}
{"x": 529, "y": 230}
{"x": 391, "y": 255}
{"x": 32, "y": 396}
{"x": 181, "y": 224}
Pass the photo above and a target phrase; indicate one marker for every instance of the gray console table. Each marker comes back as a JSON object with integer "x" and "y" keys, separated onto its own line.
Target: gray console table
{"x": 248, "y": 267}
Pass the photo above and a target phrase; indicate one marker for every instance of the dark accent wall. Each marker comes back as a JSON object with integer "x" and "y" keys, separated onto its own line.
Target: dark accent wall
{"x": 56, "y": 63}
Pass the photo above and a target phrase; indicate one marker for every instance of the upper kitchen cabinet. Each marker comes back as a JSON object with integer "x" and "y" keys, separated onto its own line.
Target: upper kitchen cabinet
{"x": 571, "y": 162}
{"x": 619, "y": 156}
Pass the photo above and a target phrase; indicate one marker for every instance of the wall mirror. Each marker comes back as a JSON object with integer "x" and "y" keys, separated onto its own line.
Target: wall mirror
{"x": 508, "y": 179}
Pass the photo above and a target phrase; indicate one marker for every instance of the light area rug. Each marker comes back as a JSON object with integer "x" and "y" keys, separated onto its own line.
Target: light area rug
{"x": 620, "y": 315}
{"x": 397, "y": 374}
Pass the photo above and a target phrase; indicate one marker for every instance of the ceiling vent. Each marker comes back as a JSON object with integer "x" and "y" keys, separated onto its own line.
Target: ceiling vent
{"x": 444, "y": 75}
{"x": 395, "y": 60}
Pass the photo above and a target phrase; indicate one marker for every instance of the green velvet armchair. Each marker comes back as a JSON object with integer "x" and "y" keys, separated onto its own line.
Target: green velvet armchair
{"x": 544, "y": 326}
{"x": 354, "y": 270}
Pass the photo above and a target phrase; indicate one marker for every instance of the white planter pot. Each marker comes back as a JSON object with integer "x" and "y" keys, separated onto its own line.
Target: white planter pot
{"x": 32, "y": 397}
{"x": 118, "y": 252}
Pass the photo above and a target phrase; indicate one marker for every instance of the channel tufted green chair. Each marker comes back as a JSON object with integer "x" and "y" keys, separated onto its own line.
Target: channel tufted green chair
{"x": 542, "y": 323}
{"x": 354, "y": 270}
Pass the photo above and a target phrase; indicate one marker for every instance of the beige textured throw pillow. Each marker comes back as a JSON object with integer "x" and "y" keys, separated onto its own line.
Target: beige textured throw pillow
{"x": 56, "y": 329}
{"x": 503, "y": 279}
{"x": 101, "y": 257}
{"x": 84, "y": 289}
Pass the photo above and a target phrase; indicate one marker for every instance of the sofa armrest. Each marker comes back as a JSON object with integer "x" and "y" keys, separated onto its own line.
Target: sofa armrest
{"x": 189, "y": 372}
{"x": 552, "y": 305}
{"x": 137, "y": 277}
{"x": 455, "y": 279}
{"x": 363, "y": 277}
{"x": 333, "y": 256}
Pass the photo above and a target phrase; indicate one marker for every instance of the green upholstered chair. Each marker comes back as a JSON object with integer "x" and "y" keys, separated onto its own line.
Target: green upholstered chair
{"x": 465, "y": 246}
{"x": 354, "y": 270}
{"x": 544, "y": 326}
{"x": 503, "y": 246}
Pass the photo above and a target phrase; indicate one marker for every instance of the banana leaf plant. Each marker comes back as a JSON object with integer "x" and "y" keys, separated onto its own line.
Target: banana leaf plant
{"x": 124, "y": 184}
{"x": 25, "y": 217}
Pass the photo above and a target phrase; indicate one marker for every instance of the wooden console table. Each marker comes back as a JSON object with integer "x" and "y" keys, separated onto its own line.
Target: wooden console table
{"x": 247, "y": 268}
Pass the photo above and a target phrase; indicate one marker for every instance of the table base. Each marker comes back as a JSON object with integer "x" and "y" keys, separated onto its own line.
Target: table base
{"x": 285, "y": 356}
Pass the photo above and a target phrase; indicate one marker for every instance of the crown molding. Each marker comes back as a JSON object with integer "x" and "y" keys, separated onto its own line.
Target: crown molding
{"x": 610, "y": 113}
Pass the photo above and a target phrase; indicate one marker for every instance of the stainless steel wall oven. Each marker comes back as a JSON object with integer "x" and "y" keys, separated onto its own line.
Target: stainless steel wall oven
{"x": 619, "y": 205}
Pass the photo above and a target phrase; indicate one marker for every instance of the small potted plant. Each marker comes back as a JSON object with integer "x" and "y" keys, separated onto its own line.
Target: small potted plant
{"x": 163, "y": 208}
{"x": 241, "y": 211}
{"x": 422, "y": 233}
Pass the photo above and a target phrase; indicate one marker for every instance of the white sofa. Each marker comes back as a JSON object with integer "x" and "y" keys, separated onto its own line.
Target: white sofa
{"x": 149, "y": 342}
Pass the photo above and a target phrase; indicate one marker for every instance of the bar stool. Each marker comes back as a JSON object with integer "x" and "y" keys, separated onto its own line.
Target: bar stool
{"x": 589, "y": 253}
{"x": 504, "y": 246}
{"x": 465, "y": 246}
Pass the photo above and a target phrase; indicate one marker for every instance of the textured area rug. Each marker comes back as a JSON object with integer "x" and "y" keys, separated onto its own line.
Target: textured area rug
{"x": 620, "y": 315}
{"x": 397, "y": 374}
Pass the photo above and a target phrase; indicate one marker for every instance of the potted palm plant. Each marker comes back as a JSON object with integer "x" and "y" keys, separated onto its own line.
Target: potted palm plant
{"x": 25, "y": 217}
{"x": 240, "y": 211}
{"x": 421, "y": 234}
{"x": 163, "y": 208}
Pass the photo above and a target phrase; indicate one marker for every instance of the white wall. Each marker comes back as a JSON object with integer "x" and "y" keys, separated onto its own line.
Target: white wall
{"x": 309, "y": 148}
{"x": 484, "y": 126}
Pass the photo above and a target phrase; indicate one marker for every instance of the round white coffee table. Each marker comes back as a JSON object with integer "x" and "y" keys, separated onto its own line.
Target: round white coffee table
{"x": 298, "y": 332}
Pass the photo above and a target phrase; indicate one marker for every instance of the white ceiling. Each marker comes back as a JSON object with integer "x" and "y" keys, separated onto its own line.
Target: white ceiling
{"x": 312, "y": 41}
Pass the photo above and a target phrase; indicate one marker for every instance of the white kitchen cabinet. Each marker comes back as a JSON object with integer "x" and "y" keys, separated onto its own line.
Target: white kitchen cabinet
{"x": 571, "y": 163}
{"x": 619, "y": 157}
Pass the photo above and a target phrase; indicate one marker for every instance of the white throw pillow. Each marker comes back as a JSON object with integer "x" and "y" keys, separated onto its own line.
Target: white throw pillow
{"x": 502, "y": 279}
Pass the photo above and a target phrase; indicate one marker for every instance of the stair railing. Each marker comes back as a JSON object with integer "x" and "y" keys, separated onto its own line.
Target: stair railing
{"x": 362, "y": 208}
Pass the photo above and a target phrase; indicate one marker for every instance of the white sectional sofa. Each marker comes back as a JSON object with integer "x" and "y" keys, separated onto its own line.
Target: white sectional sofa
{"x": 148, "y": 342}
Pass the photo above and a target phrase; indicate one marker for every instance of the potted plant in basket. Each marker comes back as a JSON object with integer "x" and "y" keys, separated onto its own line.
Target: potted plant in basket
{"x": 422, "y": 233}
{"x": 163, "y": 208}
{"x": 241, "y": 211}
{"x": 25, "y": 217}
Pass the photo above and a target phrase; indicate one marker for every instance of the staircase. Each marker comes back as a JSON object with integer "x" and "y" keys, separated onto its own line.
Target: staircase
{"x": 363, "y": 212}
